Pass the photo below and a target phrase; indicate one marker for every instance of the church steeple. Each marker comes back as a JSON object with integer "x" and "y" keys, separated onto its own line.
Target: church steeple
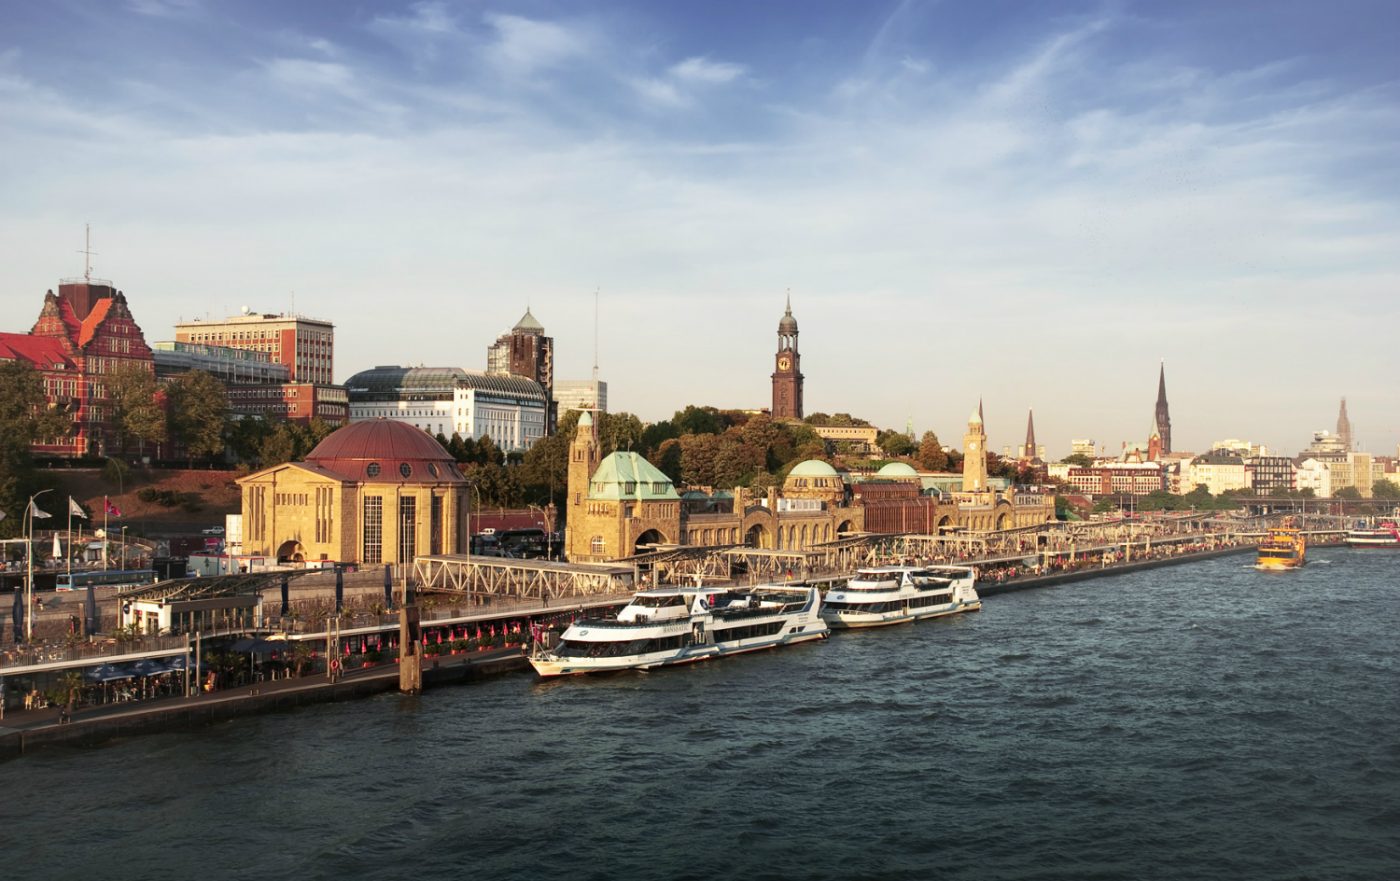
{"x": 787, "y": 375}
{"x": 1164, "y": 419}
{"x": 1344, "y": 425}
{"x": 1030, "y": 452}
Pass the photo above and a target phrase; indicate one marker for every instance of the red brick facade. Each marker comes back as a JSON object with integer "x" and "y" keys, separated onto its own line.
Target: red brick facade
{"x": 83, "y": 334}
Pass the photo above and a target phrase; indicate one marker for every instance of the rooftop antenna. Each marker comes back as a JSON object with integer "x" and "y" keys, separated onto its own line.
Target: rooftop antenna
{"x": 595, "y": 333}
{"x": 294, "y": 303}
{"x": 87, "y": 252}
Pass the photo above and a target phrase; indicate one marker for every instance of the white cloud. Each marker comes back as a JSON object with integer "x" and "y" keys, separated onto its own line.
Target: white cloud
{"x": 302, "y": 74}
{"x": 659, "y": 92}
{"x": 165, "y": 8}
{"x": 524, "y": 45}
{"x": 704, "y": 71}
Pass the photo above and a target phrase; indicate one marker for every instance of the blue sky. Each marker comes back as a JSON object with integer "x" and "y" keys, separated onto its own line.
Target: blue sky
{"x": 1028, "y": 202}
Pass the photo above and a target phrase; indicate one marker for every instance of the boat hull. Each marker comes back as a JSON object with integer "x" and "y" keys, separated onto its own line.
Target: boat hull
{"x": 863, "y": 620}
{"x": 551, "y": 666}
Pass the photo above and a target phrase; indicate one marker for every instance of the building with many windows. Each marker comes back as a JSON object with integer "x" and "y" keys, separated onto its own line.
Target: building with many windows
{"x": 84, "y": 334}
{"x": 511, "y": 410}
{"x": 525, "y": 351}
{"x": 305, "y": 345}
{"x": 581, "y": 394}
{"x": 372, "y": 492}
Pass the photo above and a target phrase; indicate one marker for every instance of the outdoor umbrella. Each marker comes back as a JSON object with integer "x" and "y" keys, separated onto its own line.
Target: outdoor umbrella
{"x": 104, "y": 673}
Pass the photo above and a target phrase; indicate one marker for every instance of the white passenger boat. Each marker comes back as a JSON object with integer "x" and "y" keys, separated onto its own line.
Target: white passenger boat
{"x": 679, "y": 625}
{"x": 1384, "y": 535}
{"x": 894, "y": 594}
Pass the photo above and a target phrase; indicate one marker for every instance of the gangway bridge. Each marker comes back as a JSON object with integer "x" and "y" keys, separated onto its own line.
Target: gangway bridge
{"x": 484, "y": 577}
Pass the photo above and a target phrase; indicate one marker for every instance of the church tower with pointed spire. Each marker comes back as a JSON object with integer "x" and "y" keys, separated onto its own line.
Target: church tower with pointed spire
{"x": 1344, "y": 426}
{"x": 787, "y": 373}
{"x": 1163, "y": 416}
{"x": 1030, "y": 452}
{"x": 975, "y": 453}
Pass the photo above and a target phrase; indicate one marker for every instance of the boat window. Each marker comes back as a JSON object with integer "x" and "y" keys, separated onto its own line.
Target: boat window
{"x": 651, "y": 602}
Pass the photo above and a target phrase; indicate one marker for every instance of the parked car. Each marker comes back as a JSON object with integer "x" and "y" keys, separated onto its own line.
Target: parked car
{"x": 214, "y": 530}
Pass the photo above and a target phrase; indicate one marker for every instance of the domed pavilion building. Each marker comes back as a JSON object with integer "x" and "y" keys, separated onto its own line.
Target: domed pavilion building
{"x": 373, "y": 492}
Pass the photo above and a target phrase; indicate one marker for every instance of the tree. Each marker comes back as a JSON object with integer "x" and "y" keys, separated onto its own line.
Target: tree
{"x": 1079, "y": 459}
{"x": 198, "y": 409}
{"x": 278, "y": 446}
{"x": 135, "y": 406}
{"x": 698, "y": 420}
{"x": 1385, "y": 489}
{"x": 1347, "y": 492}
{"x": 931, "y": 455}
{"x": 895, "y": 444}
{"x": 25, "y": 417}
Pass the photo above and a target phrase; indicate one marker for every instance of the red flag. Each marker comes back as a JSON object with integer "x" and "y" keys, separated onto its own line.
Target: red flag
{"x": 111, "y": 509}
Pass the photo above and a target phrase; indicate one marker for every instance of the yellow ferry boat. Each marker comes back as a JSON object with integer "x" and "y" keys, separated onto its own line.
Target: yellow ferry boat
{"x": 1284, "y": 548}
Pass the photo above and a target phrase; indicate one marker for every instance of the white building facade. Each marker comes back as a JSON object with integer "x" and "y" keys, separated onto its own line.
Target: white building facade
{"x": 511, "y": 410}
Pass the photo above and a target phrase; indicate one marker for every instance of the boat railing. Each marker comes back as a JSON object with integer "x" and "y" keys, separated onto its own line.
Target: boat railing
{"x": 640, "y": 622}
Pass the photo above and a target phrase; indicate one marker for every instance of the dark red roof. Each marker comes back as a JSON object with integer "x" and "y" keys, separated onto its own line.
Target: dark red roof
{"x": 390, "y": 445}
{"x": 39, "y": 352}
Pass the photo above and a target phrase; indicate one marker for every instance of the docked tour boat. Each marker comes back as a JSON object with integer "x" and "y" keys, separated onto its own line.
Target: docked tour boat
{"x": 1284, "y": 548}
{"x": 1384, "y": 535}
{"x": 893, "y": 594}
{"x": 679, "y": 625}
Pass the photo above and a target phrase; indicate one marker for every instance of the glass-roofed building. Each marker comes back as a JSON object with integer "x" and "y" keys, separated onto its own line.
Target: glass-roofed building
{"x": 511, "y": 410}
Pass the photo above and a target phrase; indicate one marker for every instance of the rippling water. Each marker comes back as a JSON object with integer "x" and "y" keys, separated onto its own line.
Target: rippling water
{"x": 1197, "y": 722}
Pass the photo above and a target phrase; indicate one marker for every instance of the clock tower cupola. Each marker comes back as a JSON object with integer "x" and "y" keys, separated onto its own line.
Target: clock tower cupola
{"x": 787, "y": 373}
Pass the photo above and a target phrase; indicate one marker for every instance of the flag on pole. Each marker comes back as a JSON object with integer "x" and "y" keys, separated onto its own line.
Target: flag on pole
{"x": 34, "y": 512}
{"x": 3, "y": 515}
{"x": 75, "y": 509}
{"x": 110, "y": 508}
{"x": 57, "y": 549}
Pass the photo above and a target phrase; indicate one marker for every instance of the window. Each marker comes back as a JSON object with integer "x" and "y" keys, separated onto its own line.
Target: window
{"x": 372, "y": 469}
{"x": 408, "y": 529}
{"x": 597, "y": 546}
{"x": 406, "y": 469}
{"x": 435, "y": 525}
{"x": 373, "y": 526}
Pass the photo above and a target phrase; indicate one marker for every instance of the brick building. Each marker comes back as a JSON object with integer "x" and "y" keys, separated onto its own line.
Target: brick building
{"x": 84, "y": 334}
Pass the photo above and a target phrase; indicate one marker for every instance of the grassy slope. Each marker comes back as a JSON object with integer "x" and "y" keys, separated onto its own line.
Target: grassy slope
{"x": 213, "y": 492}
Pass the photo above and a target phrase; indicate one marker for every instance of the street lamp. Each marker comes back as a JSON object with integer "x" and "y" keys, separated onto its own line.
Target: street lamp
{"x": 123, "y": 548}
{"x": 29, "y": 562}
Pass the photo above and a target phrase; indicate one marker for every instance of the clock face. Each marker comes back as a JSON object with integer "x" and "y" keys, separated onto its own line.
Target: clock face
{"x": 784, "y": 363}
{"x": 972, "y": 446}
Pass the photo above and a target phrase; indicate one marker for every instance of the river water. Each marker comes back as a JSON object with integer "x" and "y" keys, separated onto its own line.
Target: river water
{"x": 1194, "y": 722}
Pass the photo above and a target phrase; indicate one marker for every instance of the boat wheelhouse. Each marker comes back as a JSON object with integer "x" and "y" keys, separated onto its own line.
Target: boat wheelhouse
{"x": 662, "y": 627}
{"x": 895, "y": 594}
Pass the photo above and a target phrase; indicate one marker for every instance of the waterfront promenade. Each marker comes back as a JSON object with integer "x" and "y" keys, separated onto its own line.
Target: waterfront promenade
{"x": 25, "y": 730}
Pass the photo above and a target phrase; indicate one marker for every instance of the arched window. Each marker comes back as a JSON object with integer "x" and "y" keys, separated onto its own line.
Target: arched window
{"x": 596, "y": 546}
{"x": 804, "y": 536}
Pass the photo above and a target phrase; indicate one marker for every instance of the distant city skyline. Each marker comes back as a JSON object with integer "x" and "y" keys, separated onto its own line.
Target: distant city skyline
{"x": 1032, "y": 205}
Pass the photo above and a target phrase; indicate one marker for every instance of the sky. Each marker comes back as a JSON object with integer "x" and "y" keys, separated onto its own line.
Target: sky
{"x": 1034, "y": 204}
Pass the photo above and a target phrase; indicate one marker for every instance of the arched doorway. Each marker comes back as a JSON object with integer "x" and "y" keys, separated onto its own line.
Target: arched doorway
{"x": 291, "y": 551}
{"x": 1003, "y": 520}
{"x": 757, "y": 536}
{"x": 650, "y": 537}
{"x": 845, "y": 526}
{"x": 944, "y": 523}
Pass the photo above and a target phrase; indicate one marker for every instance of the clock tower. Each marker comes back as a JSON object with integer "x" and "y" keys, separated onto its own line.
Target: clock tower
{"x": 787, "y": 375}
{"x": 975, "y": 453}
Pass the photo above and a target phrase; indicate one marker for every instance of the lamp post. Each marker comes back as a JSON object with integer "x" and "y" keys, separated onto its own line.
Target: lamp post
{"x": 29, "y": 564}
{"x": 123, "y": 548}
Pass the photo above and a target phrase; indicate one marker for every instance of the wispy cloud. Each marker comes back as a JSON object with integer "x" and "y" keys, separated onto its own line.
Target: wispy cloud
{"x": 704, "y": 71}
{"x": 524, "y": 46}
